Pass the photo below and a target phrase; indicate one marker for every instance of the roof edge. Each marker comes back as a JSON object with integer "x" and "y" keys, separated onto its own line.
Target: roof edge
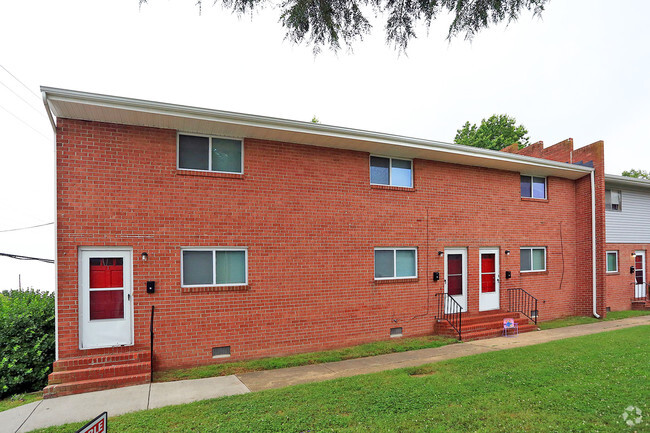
{"x": 626, "y": 180}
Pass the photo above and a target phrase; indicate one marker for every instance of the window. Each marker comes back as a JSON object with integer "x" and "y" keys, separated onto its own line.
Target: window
{"x": 392, "y": 263}
{"x": 390, "y": 171}
{"x": 210, "y": 153}
{"x": 533, "y": 259}
{"x": 533, "y": 187}
{"x": 214, "y": 267}
{"x": 612, "y": 261}
{"x": 613, "y": 199}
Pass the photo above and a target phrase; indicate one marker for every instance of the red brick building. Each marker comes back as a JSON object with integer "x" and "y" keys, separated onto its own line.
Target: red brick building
{"x": 254, "y": 236}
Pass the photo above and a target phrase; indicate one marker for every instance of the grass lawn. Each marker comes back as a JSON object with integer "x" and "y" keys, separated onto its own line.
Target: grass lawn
{"x": 361, "y": 351}
{"x": 580, "y": 384}
{"x": 19, "y": 400}
{"x": 582, "y": 320}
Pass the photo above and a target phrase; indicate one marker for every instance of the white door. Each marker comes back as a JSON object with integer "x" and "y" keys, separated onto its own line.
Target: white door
{"x": 489, "y": 281}
{"x": 639, "y": 275}
{"x": 456, "y": 276}
{"x": 105, "y": 282}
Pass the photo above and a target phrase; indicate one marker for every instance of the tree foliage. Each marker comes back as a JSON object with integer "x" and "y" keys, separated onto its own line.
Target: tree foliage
{"x": 639, "y": 174}
{"x": 335, "y": 22}
{"x": 494, "y": 133}
{"x": 26, "y": 340}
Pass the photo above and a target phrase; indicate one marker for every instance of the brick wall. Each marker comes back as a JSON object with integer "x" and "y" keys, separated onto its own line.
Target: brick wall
{"x": 311, "y": 221}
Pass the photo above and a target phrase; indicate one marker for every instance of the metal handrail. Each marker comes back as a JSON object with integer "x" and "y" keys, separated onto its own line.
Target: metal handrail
{"x": 520, "y": 301}
{"x": 454, "y": 317}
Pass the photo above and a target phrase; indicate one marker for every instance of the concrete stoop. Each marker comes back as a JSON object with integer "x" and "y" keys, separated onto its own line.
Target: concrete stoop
{"x": 484, "y": 325}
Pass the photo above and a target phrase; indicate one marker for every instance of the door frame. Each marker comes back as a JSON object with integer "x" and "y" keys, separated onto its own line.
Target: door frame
{"x": 463, "y": 252}
{"x": 81, "y": 296}
{"x": 643, "y": 290}
{"x": 497, "y": 279}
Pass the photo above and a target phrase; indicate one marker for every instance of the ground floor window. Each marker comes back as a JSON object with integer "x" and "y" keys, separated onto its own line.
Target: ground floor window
{"x": 612, "y": 261}
{"x": 214, "y": 267}
{"x": 395, "y": 263}
{"x": 533, "y": 259}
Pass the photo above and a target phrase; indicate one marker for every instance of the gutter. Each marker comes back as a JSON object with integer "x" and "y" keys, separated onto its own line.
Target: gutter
{"x": 593, "y": 245}
{"x": 56, "y": 247}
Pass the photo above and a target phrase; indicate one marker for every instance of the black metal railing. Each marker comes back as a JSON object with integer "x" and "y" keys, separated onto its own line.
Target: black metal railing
{"x": 450, "y": 310}
{"x": 520, "y": 301}
{"x": 151, "y": 335}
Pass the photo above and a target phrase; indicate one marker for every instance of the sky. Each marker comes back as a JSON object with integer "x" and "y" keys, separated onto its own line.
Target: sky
{"x": 581, "y": 71}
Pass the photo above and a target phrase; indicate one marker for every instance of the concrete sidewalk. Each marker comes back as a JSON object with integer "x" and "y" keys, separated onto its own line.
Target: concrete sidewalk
{"x": 83, "y": 407}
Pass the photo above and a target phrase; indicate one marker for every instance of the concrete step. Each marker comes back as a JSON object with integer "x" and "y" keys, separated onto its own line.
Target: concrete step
{"x": 79, "y": 387}
{"x": 99, "y": 372}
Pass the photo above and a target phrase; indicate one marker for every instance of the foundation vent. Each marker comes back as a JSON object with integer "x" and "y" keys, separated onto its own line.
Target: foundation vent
{"x": 396, "y": 332}
{"x": 221, "y": 352}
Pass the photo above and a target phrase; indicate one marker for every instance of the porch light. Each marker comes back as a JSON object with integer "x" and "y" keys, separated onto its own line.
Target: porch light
{"x": 145, "y": 257}
{"x": 507, "y": 252}
{"x": 633, "y": 254}
{"x": 440, "y": 253}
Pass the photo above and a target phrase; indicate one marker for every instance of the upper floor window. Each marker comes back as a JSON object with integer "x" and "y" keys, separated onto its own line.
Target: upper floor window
{"x": 613, "y": 199}
{"x": 533, "y": 186}
{"x": 391, "y": 171}
{"x": 533, "y": 259}
{"x": 214, "y": 267}
{"x": 392, "y": 263}
{"x": 197, "y": 152}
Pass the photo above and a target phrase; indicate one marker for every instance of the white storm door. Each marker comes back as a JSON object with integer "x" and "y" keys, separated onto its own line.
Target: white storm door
{"x": 105, "y": 298}
{"x": 639, "y": 275}
{"x": 489, "y": 279}
{"x": 456, "y": 276}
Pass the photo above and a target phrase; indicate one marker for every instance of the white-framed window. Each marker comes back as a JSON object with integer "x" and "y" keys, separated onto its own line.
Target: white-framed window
{"x": 533, "y": 186}
{"x": 207, "y": 153}
{"x": 394, "y": 263}
{"x": 532, "y": 259}
{"x": 214, "y": 267}
{"x": 612, "y": 261}
{"x": 391, "y": 171}
{"x": 613, "y": 200}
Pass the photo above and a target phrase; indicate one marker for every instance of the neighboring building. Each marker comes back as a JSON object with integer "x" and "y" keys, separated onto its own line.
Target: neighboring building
{"x": 254, "y": 236}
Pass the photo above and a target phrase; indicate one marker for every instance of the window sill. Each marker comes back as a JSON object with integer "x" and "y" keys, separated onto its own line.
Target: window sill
{"x": 532, "y": 273}
{"x": 612, "y": 273}
{"x": 209, "y": 174}
{"x": 396, "y": 280}
{"x": 215, "y": 289}
{"x": 537, "y": 200}
{"x": 393, "y": 188}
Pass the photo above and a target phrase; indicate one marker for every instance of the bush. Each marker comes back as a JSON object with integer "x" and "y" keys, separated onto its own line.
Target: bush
{"x": 26, "y": 340}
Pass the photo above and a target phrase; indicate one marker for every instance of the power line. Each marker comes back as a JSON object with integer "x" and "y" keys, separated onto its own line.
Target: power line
{"x": 40, "y": 112}
{"x": 26, "y": 124}
{"x": 25, "y": 228}
{"x": 24, "y": 85}
{"x": 17, "y": 257}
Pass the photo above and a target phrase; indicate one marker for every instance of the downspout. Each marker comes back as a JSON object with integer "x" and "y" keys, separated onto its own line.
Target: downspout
{"x": 56, "y": 249}
{"x": 593, "y": 244}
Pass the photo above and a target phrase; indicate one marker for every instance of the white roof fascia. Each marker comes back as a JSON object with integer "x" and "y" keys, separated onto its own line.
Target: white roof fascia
{"x": 626, "y": 181}
{"x": 54, "y": 95}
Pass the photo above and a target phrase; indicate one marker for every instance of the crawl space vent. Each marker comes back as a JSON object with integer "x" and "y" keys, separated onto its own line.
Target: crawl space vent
{"x": 221, "y": 352}
{"x": 396, "y": 332}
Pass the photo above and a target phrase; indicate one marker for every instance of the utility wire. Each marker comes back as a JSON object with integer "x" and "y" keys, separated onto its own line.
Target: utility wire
{"x": 26, "y": 124}
{"x": 17, "y": 257}
{"x": 24, "y": 85}
{"x": 25, "y": 228}
{"x": 40, "y": 112}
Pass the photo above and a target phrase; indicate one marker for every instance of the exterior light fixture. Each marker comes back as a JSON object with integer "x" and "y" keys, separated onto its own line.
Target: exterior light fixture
{"x": 145, "y": 257}
{"x": 633, "y": 254}
{"x": 507, "y": 252}
{"x": 440, "y": 253}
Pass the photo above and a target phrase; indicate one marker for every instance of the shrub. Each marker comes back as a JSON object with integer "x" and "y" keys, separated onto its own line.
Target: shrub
{"x": 26, "y": 340}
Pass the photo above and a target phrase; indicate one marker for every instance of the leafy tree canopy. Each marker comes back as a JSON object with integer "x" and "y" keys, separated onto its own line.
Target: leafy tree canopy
{"x": 640, "y": 174}
{"x": 333, "y": 22}
{"x": 495, "y": 133}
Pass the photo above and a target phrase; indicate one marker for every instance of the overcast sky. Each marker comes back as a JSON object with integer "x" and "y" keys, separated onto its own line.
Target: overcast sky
{"x": 582, "y": 71}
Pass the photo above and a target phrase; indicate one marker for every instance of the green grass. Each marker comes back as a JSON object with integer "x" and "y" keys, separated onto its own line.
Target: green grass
{"x": 580, "y": 384}
{"x": 361, "y": 351}
{"x": 19, "y": 400}
{"x": 583, "y": 320}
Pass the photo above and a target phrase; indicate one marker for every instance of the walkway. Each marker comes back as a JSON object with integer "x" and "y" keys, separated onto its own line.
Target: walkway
{"x": 82, "y": 407}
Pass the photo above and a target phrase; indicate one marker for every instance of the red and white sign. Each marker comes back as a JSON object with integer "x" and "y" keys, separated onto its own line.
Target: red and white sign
{"x": 98, "y": 425}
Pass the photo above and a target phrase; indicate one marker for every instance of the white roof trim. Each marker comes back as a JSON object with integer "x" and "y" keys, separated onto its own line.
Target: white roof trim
{"x": 627, "y": 181}
{"x": 104, "y": 108}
